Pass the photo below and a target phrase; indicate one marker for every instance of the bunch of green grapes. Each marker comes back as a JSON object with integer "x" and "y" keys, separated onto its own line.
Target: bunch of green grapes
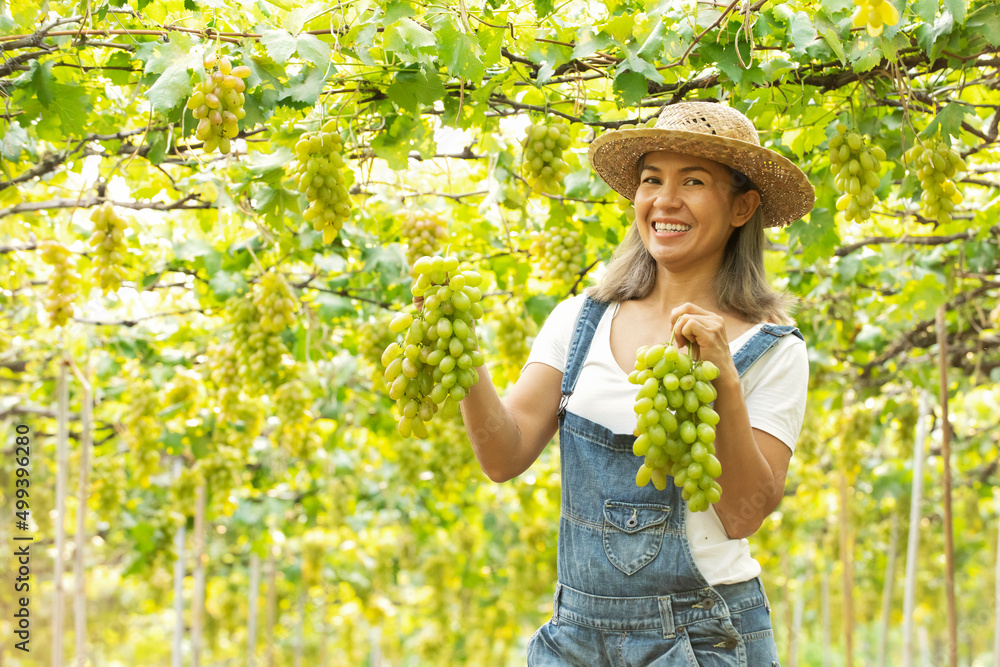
{"x": 514, "y": 328}
{"x": 321, "y": 175}
{"x": 936, "y": 165}
{"x": 223, "y": 371}
{"x": 63, "y": 282}
{"x": 560, "y": 253}
{"x": 259, "y": 350}
{"x": 856, "y": 167}
{"x": 292, "y": 406}
{"x": 437, "y": 358}
{"x": 275, "y": 302}
{"x": 543, "y": 156}
{"x": 875, "y": 14}
{"x": 423, "y": 232}
{"x": 217, "y": 103}
{"x": 626, "y": 207}
{"x": 108, "y": 242}
{"x": 675, "y": 425}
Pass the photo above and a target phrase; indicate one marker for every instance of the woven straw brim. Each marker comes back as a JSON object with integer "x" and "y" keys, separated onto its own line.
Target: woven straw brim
{"x": 785, "y": 191}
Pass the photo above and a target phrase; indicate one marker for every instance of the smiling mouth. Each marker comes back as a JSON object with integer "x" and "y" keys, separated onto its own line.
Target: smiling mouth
{"x": 670, "y": 227}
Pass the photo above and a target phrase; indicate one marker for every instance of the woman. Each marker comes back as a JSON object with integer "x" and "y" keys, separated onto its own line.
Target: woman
{"x": 642, "y": 580}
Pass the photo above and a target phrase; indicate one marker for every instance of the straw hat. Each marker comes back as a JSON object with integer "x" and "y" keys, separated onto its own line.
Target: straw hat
{"x": 712, "y": 131}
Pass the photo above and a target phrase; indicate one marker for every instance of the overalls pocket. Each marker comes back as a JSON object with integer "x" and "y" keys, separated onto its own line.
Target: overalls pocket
{"x": 633, "y": 533}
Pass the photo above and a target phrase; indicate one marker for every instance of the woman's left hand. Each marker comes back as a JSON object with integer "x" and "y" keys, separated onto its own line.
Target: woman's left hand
{"x": 705, "y": 329}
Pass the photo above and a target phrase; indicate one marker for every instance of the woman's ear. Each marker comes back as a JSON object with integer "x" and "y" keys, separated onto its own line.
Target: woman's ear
{"x": 744, "y": 206}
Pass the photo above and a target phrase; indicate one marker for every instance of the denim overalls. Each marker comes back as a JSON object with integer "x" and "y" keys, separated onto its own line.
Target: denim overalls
{"x": 629, "y": 592}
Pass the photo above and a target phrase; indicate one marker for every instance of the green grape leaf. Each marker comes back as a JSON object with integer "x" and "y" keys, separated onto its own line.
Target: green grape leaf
{"x": 835, "y": 44}
{"x": 653, "y": 46}
{"x": 817, "y": 235}
{"x": 413, "y": 88}
{"x": 922, "y": 297}
{"x": 957, "y": 9}
{"x": 460, "y": 54}
{"x": 587, "y": 43}
{"x": 273, "y": 202}
{"x": 985, "y": 22}
{"x": 313, "y": 50}
{"x": 948, "y": 121}
{"x": 280, "y": 45}
{"x": 803, "y": 33}
{"x": 629, "y": 87}
{"x": 306, "y": 86}
{"x": 543, "y": 7}
{"x": 395, "y": 11}
{"x": 13, "y": 141}
{"x": 926, "y": 9}
{"x": 173, "y": 61}
{"x": 409, "y": 41}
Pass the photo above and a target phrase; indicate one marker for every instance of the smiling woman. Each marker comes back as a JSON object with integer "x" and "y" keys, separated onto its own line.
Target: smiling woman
{"x": 640, "y": 573}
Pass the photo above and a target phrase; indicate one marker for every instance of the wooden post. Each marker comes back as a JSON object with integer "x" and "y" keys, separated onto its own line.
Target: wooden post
{"x": 198, "y": 599}
{"x": 913, "y": 542}
{"x": 824, "y": 577}
{"x": 949, "y": 541}
{"x": 996, "y": 588}
{"x": 62, "y": 470}
{"x": 272, "y": 605}
{"x": 887, "y": 586}
{"x": 252, "y": 609}
{"x": 179, "y": 540}
{"x": 83, "y": 491}
{"x": 847, "y": 575}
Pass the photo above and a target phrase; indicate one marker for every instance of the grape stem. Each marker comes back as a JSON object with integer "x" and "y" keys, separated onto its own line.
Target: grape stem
{"x": 692, "y": 345}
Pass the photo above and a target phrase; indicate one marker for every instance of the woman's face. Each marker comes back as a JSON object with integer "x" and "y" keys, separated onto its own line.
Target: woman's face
{"x": 685, "y": 209}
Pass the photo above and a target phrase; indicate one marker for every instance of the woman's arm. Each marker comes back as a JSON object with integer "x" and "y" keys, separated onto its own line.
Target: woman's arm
{"x": 507, "y": 436}
{"x": 754, "y": 463}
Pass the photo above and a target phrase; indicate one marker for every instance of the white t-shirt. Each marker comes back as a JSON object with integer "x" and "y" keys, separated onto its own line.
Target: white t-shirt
{"x": 774, "y": 389}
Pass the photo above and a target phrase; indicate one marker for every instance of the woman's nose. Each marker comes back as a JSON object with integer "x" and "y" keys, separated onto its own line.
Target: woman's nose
{"x": 667, "y": 196}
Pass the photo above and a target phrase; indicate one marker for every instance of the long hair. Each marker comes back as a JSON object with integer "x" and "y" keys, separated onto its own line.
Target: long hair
{"x": 740, "y": 287}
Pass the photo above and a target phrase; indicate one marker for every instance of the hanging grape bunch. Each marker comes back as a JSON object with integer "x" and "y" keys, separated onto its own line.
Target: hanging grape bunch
{"x": 675, "y": 425}
{"x": 856, "y": 168}
{"x": 63, "y": 282}
{"x": 936, "y": 165}
{"x": 875, "y": 14}
{"x": 217, "y": 103}
{"x": 543, "y": 147}
{"x": 259, "y": 350}
{"x": 108, "y": 243}
{"x": 626, "y": 207}
{"x": 560, "y": 254}
{"x": 321, "y": 175}
{"x": 514, "y": 327}
{"x": 423, "y": 231}
{"x": 439, "y": 352}
{"x": 275, "y": 303}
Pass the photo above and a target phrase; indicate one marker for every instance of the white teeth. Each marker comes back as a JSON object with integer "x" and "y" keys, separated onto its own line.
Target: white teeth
{"x": 664, "y": 227}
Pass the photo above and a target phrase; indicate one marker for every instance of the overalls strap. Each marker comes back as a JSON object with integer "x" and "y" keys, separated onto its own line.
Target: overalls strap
{"x": 583, "y": 334}
{"x": 760, "y": 343}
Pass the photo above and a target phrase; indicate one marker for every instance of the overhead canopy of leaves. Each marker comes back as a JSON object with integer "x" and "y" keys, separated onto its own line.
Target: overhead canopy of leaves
{"x": 432, "y": 102}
